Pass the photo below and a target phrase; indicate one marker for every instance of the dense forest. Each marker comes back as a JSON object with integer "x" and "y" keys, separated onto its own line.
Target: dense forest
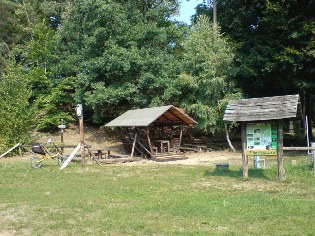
{"x": 114, "y": 55}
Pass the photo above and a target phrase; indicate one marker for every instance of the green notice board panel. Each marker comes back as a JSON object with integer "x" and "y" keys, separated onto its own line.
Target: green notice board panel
{"x": 261, "y": 139}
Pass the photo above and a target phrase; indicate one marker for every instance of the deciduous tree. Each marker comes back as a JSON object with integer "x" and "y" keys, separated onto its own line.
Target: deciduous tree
{"x": 205, "y": 82}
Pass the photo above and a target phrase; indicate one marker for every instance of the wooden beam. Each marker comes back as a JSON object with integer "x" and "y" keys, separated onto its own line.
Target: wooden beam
{"x": 281, "y": 171}
{"x": 181, "y": 121}
{"x": 149, "y": 141}
{"x": 244, "y": 155}
{"x": 180, "y": 135}
{"x": 10, "y": 150}
{"x": 298, "y": 148}
{"x": 144, "y": 148}
{"x": 133, "y": 145}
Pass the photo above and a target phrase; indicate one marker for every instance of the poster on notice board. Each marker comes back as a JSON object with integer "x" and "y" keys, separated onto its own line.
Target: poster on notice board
{"x": 261, "y": 139}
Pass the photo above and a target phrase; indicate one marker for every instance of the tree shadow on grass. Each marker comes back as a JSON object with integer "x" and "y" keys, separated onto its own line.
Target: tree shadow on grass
{"x": 237, "y": 174}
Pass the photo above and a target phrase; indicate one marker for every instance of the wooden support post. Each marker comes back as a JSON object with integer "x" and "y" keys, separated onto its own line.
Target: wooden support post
{"x": 281, "y": 171}
{"x": 81, "y": 127}
{"x": 149, "y": 141}
{"x": 93, "y": 157}
{"x": 244, "y": 155}
{"x": 180, "y": 135}
{"x": 133, "y": 145}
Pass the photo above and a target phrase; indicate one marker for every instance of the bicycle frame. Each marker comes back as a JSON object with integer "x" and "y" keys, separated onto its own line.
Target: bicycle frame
{"x": 36, "y": 162}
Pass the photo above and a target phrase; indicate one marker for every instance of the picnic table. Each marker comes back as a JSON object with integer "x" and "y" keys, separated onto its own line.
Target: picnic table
{"x": 164, "y": 144}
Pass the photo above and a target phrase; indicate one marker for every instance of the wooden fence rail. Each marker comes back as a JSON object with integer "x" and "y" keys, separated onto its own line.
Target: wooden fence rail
{"x": 299, "y": 148}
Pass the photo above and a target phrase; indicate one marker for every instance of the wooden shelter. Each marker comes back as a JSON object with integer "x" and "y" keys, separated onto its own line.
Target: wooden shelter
{"x": 142, "y": 121}
{"x": 259, "y": 110}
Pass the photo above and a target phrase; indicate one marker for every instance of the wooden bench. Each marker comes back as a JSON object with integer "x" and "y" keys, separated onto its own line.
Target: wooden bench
{"x": 99, "y": 152}
{"x": 200, "y": 148}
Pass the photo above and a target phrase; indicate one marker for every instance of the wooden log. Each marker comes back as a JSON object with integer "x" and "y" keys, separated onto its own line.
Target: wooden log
{"x": 281, "y": 171}
{"x": 119, "y": 160}
{"x": 188, "y": 149}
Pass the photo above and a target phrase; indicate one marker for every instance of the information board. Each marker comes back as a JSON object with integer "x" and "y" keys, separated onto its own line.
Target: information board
{"x": 261, "y": 139}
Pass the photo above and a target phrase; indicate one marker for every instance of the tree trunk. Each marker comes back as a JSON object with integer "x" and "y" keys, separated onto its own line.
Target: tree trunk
{"x": 228, "y": 138}
{"x": 215, "y": 21}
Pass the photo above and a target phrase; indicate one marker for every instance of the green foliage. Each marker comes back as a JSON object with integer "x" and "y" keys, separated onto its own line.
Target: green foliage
{"x": 274, "y": 43}
{"x": 121, "y": 59}
{"x": 204, "y": 82}
{"x": 53, "y": 99}
{"x": 17, "y": 116}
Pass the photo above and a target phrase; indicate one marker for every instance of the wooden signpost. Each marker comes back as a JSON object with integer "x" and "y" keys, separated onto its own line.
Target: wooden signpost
{"x": 262, "y": 126}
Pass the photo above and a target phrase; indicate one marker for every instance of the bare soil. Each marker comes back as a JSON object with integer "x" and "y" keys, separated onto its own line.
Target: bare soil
{"x": 99, "y": 138}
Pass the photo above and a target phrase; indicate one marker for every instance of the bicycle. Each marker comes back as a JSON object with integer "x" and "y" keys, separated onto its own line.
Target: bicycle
{"x": 45, "y": 154}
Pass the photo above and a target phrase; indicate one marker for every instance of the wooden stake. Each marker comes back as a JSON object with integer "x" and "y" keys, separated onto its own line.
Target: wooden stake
{"x": 81, "y": 127}
{"x": 244, "y": 155}
{"x": 281, "y": 171}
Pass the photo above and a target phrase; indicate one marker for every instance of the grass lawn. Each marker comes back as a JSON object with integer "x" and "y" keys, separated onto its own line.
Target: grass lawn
{"x": 154, "y": 199}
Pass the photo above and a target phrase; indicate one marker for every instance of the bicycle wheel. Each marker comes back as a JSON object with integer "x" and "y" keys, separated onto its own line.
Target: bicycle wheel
{"x": 61, "y": 160}
{"x": 36, "y": 162}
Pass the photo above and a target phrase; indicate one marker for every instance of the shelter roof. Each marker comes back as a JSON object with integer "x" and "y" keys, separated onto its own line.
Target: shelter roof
{"x": 152, "y": 116}
{"x": 265, "y": 108}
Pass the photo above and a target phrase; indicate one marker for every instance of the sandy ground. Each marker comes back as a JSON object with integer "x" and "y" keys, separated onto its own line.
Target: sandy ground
{"x": 99, "y": 138}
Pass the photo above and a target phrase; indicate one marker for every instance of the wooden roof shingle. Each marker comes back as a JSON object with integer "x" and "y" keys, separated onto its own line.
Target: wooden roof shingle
{"x": 265, "y": 108}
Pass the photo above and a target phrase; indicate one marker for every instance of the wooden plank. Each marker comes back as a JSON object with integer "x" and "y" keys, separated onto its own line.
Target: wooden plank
{"x": 260, "y": 110}
{"x": 144, "y": 148}
{"x": 262, "y": 100}
{"x": 257, "y": 117}
{"x": 10, "y": 150}
{"x": 298, "y": 148}
{"x": 65, "y": 164}
{"x": 133, "y": 145}
{"x": 263, "y": 103}
{"x": 119, "y": 160}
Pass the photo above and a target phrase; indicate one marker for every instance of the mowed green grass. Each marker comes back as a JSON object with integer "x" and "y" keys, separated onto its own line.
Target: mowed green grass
{"x": 154, "y": 199}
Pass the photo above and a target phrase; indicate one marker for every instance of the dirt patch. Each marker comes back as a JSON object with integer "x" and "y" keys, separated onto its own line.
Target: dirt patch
{"x": 99, "y": 138}
{"x": 95, "y": 137}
